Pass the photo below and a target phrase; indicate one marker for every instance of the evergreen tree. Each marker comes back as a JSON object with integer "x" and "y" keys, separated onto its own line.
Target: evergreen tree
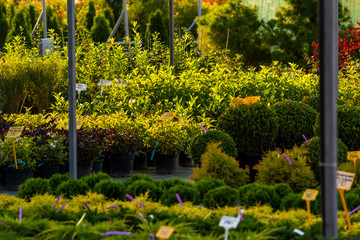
{"x": 157, "y": 24}
{"x": 4, "y": 24}
{"x": 20, "y": 26}
{"x": 52, "y": 20}
{"x": 100, "y": 31}
{"x": 90, "y": 15}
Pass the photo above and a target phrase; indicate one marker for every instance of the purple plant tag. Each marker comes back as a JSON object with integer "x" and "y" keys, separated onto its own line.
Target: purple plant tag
{"x": 241, "y": 216}
{"x": 142, "y": 217}
{"x": 357, "y": 208}
{"x": 61, "y": 207}
{"x": 203, "y": 128}
{"x": 107, "y": 215}
{"x": 20, "y": 214}
{"x": 287, "y": 158}
{"x": 288, "y": 97}
{"x": 305, "y": 139}
{"x": 57, "y": 200}
{"x": 87, "y": 206}
{"x": 152, "y": 236}
{"x": 132, "y": 199}
{"x": 179, "y": 199}
{"x": 115, "y": 233}
{"x": 112, "y": 205}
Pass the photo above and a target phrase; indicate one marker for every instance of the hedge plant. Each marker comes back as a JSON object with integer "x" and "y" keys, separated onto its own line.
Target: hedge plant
{"x": 186, "y": 194}
{"x": 349, "y": 126}
{"x": 136, "y": 177}
{"x": 198, "y": 145}
{"x": 257, "y": 193}
{"x": 221, "y": 197}
{"x": 94, "y": 178}
{"x": 56, "y": 179}
{"x": 141, "y": 187}
{"x": 165, "y": 184}
{"x": 207, "y": 184}
{"x": 110, "y": 189}
{"x": 72, "y": 188}
{"x": 33, "y": 186}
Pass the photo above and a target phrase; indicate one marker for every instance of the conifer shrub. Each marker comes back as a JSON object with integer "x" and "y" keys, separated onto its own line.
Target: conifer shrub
{"x": 198, "y": 145}
{"x": 100, "y": 30}
{"x": 294, "y": 201}
{"x": 33, "y": 186}
{"x": 207, "y": 184}
{"x": 186, "y": 194}
{"x": 157, "y": 24}
{"x": 56, "y": 179}
{"x": 349, "y": 126}
{"x": 165, "y": 184}
{"x": 94, "y": 178}
{"x": 136, "y": 177}
{"x": 295, "y": 119}
{"x": 141, "y": 187}
{"x": 4, "y": 24}
{"x": 221, "y": 197}
{"x": 90, "y": 15}
{"x": 110, "y": 189}
{"x": 218, "y": 165}
{"x": 257, "y": 193}
{"x": 72, "y": 188}
{"x": 282, "y": 190}
{"x": 276, "y": 168}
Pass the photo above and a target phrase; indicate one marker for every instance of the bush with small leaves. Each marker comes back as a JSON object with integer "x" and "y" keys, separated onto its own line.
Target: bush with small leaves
{"x": 94, "y": 178}
{"x": 256, "y": 193}
{"x": 111, "y": 189}
{"x": 138, "y": 176}
{"x": 186, "y": 194}
{"x": 33, "y": 186}
{"x": 207, "y": 184}
{"x": 165, "y": 184}
{"x": 56, "y": 179}
{"x": 72, "y": 188}
{"x": 294, "y": 201}
{"x": 141, "y": 187}
{"x": 221, "y": 197}
{"x": 282, "y": 189}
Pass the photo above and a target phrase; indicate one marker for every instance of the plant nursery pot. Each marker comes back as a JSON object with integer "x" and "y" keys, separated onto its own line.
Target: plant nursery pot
{"x": 167, "y": 163}
{"x": 47, "y": 170}
{"x": 106, "y": 167}
{"x": 121, "y": 165}
{"x": 97, "y": 165}
{"x": 83, "y": 169}
{"x": 3, "y": 176}
{"x": 184, "y": 160}
{"x": 15, "y": 177}
{"x": 140, "y": 162}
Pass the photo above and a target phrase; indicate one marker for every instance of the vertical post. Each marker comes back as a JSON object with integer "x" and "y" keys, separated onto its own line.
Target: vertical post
{"x": 171, "y": 34}
{"x": 72, "y": 92}
{"x": 126, "y": 18}
{"x": 44, "y": 19}
{"x": 328, "y": 10}
{"x": 199, "y": 8}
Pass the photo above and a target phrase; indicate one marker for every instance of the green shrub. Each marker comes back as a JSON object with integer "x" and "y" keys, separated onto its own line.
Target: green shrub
{"x": 33, "y": 186}
{"x": 94, "y": 178}
{"x": 4, "y": 24}
{"x": 275, "y": 168}
{"x": 207, "y": 184}
{"x": 313, "y": 156}
{"x": 110, "y": 189}
{"x": 186, "y": 193}
{"x": 72, "y": 188}
{"x": 295, "y": 119}
{"x": 20, "y": 26}
{"x": 294, "y": 201}
{"x": 282, "y": 190}
{"x": 90, "y": 15}
{"x": 165, "y": 184}
{"x": 141, "y": 187}
{"x": 253, "y": 127}
{"x": 256, "y": 193}
{"x": 136, "y": 177}
{"x": 56, "y": 179}
{"x": 157, "y": 24}
{"x": 198, "y": 145}
{"x": 221, "y": 197}
{"x": 349, "y": 126}
{"x": 218, "y": 165}
{"x": 100, "y": 30}
{"x": 312, "y": 101}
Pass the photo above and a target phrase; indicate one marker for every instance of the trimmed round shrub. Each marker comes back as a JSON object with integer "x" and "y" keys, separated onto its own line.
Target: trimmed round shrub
{"x": 294, "y": 201}
{"x": 253, "y": 127}
{"x": 207, "y": 184}
{"x": 312, "y": 101}
{"x": 276, "y": 168}
{"x": 256, "y": 193}
{"x": 313, "y": 154}
{"x": 94, "y": 178}
{"x": 72, "y": 188}
{"x": 295, "y": 119}
{"x": 282, "y": 190}
{"x": 349, "y": 126}
{"x": 186, "y": 193}
{"x": 198, "y": 145}
{"x": 352, "y": 198}
{"x": 33, "y": 186}
{"x": 136, "y": 177}
{"x": 168, "y": 183}
{"x": 111, "y": 189}
{"x": 56, "y": 179}
{"x": 221, "y": 197}
{"x": 216, "y": 164}
{"x": 141, "y": 187}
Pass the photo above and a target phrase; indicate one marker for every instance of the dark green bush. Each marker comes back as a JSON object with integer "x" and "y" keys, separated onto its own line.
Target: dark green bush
{"x": 100, "y": 30}
{"x": 282, "y": 190}
{"x": 141, "y": 187}
{"x": 186, "y": 193}
{"x": 256, "y": 193}
{"x": 4, "y": 24}
{"x": 352, "y": 199}
{"x": 294, "y": 201}
{"x": 56, "y": 179}
{"x": 72, "y": 188}
{"x": 313, "y": 101}
{"x": 207, "y": 184}
{"x": 295, "y": 119}
{"x": 33, "y": 186}
{"x": 111, "y": 189}
{"x": 138, "y": 176}
{"x": 165, "y": 184}
{"x": 221, "y": 197}
{"x": 349, "y": 126}
{"x": 94, "y": 178}
{"x": 198, "y": 145}
{"x": 157, "y": 24}
{"x": 313, "y": 156}
{"x": 90, "y": 15}
{"x": 253, "y": 127}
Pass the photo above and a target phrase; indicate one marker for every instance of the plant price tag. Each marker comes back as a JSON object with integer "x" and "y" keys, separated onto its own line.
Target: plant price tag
{"x": 344, "y": 180}
{"x": 14, "y": 131}
{"x": 236, "y": 101}
{"x": 164, "y": 232}
{"x": 78, "y": 125}
{"x": 310, "y": 194}
{"x": 353, "y": 155}
{"x": 168, "y": 116}
{"x": 253, "y": 99}
{"x": 229, "y": 222}
{"x": 104, "y": 82}
{"x": 80, "y": 87}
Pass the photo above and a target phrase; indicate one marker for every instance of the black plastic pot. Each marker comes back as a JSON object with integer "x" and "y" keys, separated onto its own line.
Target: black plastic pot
{"x": 167, "y": 163}
{"x": 83, "y": 169}
{"x": 184, "y": 160}
{"x": 47, "y": 170}
{"x": 121, "y": 165}
{"x": 97, "y": 165}
{"x": 140, "y": 162}
{"x": 15, "y": 177}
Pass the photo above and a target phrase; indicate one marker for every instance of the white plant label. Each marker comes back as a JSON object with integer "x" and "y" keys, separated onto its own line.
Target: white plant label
{"x": 104, "y": 82}
{"x": 229, "y": 222}
{"x": 80, "y": 87}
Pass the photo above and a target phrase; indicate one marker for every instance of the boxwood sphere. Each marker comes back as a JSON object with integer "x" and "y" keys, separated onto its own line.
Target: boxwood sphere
{"x": 349, "y": 126}
{"x": 186, "y": 193}
{"x": 221, "y": 197}
{"x": 198, "y": 145}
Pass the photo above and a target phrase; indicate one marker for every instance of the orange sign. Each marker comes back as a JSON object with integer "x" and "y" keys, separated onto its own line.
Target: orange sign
{"x": 168, "y": 116}
{"x": 164, "y": 232}
{"x": 310, "y": 194}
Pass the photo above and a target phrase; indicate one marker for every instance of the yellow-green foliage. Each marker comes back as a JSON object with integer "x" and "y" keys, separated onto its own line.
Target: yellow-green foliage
{"x": 218, "y": 165}
{"x": 275, "y": 168}
{"x": 6, "y": 201}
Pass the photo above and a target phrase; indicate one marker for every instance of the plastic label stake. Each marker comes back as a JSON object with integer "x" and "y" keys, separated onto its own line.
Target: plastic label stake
{"x": 309, "y": 195}
{"x": 344, "y": 181}
{"x": 13, "y": 133}
{"x": 353, "y": 156}
{"x": 228, "y": 222}
{"x": 164, "y": 232}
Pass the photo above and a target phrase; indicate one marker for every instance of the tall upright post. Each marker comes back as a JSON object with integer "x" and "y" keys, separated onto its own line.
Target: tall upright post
{"x": 72, "y": 90}
{"x": 126, "y": 18}
{"x": 199, "y": 8}
{"x": 328, "y": 113}
{"x": 171, "y": 34}
{"x": 44, "y": 19}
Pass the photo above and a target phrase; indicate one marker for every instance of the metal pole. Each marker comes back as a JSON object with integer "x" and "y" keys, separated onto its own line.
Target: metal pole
{"x": 199, "y": 8}
{"x": 171, "y": 34}
{"x": 117, "y": 25}
{"x": 72, "y": 92}
{"x": 126, "y": 19}
{"x": 328, "y": 113}
{"x": 37, "y": 24}
{"x": 44, "y": 19}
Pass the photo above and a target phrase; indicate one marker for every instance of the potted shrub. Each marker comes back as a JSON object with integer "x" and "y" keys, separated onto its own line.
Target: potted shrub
{"x": 25, "y": 155}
